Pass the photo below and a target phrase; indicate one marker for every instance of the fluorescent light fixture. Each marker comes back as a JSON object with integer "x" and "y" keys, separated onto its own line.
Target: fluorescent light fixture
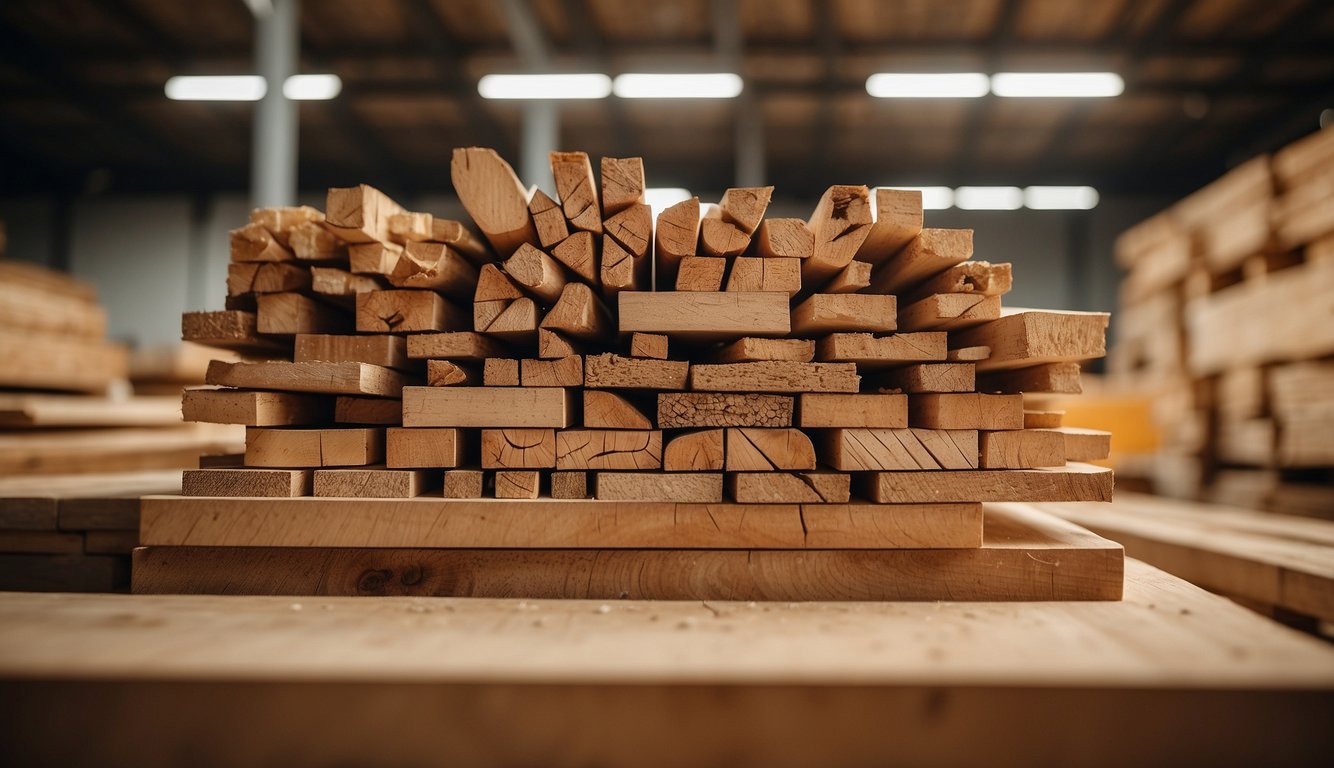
{"x": 1060, "y": 198}
{"x": 989, "y": 198}
{"x": 934, "y": 198}
{"x": 561, "y": 86}
{"x": 1052, "y": 84}
{"x": 714, "y": 85}
{"x": 911, "y": 85}
{"x": 660, "y": 198}
{"x": 216, "y": 88}
{"x": 312, "y": 87}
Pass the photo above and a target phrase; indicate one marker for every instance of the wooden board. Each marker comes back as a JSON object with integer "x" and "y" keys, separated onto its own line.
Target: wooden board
{"x": 370, "y": 483}
{"x": 407, "y": 311}
{"x": 751, "y": 350}
{"x": 825, "y": 313}
{"x": 229, "y": 329}
{"x": 966, "y": 410}
{"x": 424, "y": 447}
{"x": 949, "y": 312}
{"x": 487, "y": 407}
{"x": 1074, "y": 482}
{"x": 288, "y": 314}
{"x": 704, "y": 316}
{"x": 856, "y": 410}
{"x": 18, "y": 410}
{"x": 255, "y": 408}
{"x": 775, "y": 376}
{"x": 927, "y": 378}
{"x": 857, "y": 450}
{"x": 870, "y": 352}
{"x": 461, "y": 345}
{"x": 318, "y": 378}
{"x": 610, "y": 371}
{"x": 684, "y": 487}
{"x": 1061, "y": 378}
{"x": 1029, "y": 338}
{"x": 1022, "y": 449}
{"x": 718, "y": 409}
{"x": 522, "y": 448}
{"x": 898, "y": 219}
{"x": 760, "y": 449}
{"x": 611, "y": 410}
{"x": 246, "y": 482}
{"x": 348, "y": 446}
{"x": 45, "y": 361}
{"x": 426, "y": 522}
{"x": 493, "y": 197}
{"x": 383, "y": 350}
{"x": 789, "y": 487}
{"x": 931, "y": 252}
{"x": 608, "y": 449}
{"x": 72, "y": 451}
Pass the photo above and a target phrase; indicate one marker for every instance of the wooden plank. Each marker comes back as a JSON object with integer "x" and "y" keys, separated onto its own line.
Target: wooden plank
{"x": 632, "y": 229}
{"x": 825, "y": 313}
{"x": 744, "y": 207}
{"x": 840, "y": 223}
{"x": 789, "y": 487}
{"x": 717, "y": 409}
{"x": 697, "y": 451}
{"x": 518, "y": 484}
{"x": 254, "y": 409}
{"x": 783, "y": 238}
{"x": 933, "y": 251}
{"x": 288, "y": 314}
{"x": 721, "y": 239}
{"x": 569, "y": 485}
{"x": 1083, "y": 444}
{"x": 580, "y": 315}
{"x": 374, "y": 258}
{"x": 855, "y": 410}
{"x": 1029, "y": 338}
{"x": 72, "y": 451}
{"x": 700, "y": 274}
{"x": 608, "y": 449}
{"x": 551, "y": 345}
{"x": 968, "y": 354}
{"x": 870, "y": 352}
{"x": 622, "y": 183}
{"x": 319, "y": 378}
{"x": 753, "y": 273}
{"x": 493, "y": 197}
{"x": 379, "y": 349}
{"x": 648, "y": 345}
{"x": 360, "y": 214}
{"x": 749, "y": 350}
{"x": 342, "y": 447}
{"x": 464, "y": 484}
{"x": 578, "y": 252}
{"x": 536, "y": 273}
{"x": 1042, "y": 419}
{"x": 463, "y": 345}
{"x": 609, "y": 371}
{"x": 620, "y": 270}
{"x": 445, "y": 373}
{"x": 929, "y": 377}
{"x": 855, "y": 450}
{"x": 854, "y": 277}
{"x": 686, "y": 487}
{"x": 229, "y": 329}
{"x": 410, "y": 227}
{"x": 40, "y": 542}
{"x": 775, "y": 376}
{"x": 341, "y": 284}
{"x": 675, "y": 237}
{"x": 980, "y": 278}
{"x": 370, "y": 483}
{"x": 1073, "y": 482}
{"x": 28, "y": 411}
{"x": 254, "y": 243}
{"x": 950, "y": 312}
{"x": 500, "y": 372}
{"x": 246, "y": 482}
{"x": 487, "y": 407}
{"x": 425, "y": 448}
{"x": 1060, "y": 378}
{"x": 1021, "y": 449}
{"x": 548, "y": 219}
{"x": 577, "y": 189}
{"x": 376, "y": 411}
{"x": 266, "y": 277}
{"x": 753, "y": 449}
{"x": 408, "y": 311}
{"x": 610, "y": 410}
{"x": 563, "y": 372}
{"x": 704, "y": 316}
{"x": 518, "y": 448}
{"x": 898, "y": 219}
{"x": 966, "y": 410}
{"x": 435, "y": 267}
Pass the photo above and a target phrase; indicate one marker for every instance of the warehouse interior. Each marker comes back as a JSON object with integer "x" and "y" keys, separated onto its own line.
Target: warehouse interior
{"x": 1147, "y": 192}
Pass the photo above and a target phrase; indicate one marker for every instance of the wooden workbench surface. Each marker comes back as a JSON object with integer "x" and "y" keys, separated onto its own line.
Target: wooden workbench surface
{"x": 1170, "y": 673}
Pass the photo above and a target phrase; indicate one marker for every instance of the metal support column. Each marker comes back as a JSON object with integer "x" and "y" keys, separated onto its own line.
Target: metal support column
{"x": 273, "y": 160}
{"x": 540, "y": 132}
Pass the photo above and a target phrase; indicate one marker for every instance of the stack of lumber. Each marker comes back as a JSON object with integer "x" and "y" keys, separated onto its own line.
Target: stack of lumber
{"x": 1226, "y": 320}
{"x": 64, "y": 406}
{"x": 73, "y": 533}
{"x": 574, "y": 390}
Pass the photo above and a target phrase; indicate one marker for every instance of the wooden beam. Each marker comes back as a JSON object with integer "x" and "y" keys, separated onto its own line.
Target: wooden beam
{"x": 929, "y": 378}
{"x": 463, "y": 345}
{"x": 609, "y": 371}
{"x": 789, "y": 487}
{"x": 608, "y": 449}
{"x": 536, "y": 273}
{"x": 521, "y": 448}
{"x": 966, "y": 410}
{"x": 717, "y": 316}
{"x": 822, "y": 410}
{"x": 1074, "y": 482}
{"x": 752, "y": 449}
{"x": 980, "y": 278}
{"x": 265, "y": 447}
{"x": 500, "y": 372}
{"x": 871, "y": 352}
{"x": 384, "y": 350}
{"x": 753, "y": 273}
{"x": 898, "y": 219}
{"x": 783, "y": 238}
{"x": 749, "y": 349}
{"x": 1028, "y": 338}
{"x": 578, "y": 252}
{"x": 675, "y": 237}
{"x": 622, "y": 184}
{"x": 548, "y": 219}
{"x": 246, "y": 482}
{"x": 698, "y": 451}
{"x": 1060, "y": 378}
{"x": 933, "y": 251}
{"x": 288, "y": 314}
{"x": 611, "y": 410}
{"x": 319, "y": 378}
{"x": 487, "y": 407}
{"x": 425, "y": 447}
{"x": 1022, "y": 449}
{"x": 360, "y": 214}
{"x": 744, "y": 207}
{"x": 518, "y": 484}
{"x": 436, "y": 267}
{"x": 561, "y": 372}
{"x": 684, "y": 487}
{"x": 857, "y": 450}
{"x": 700, "y": 274}
{"x": 841, "y": 223}
{"x": 493, "y": 197}
{"x": 407, "y": 311}
{"x": 370, "y": 483}
{"x": 950, "y": 312}
{"x": 578, "y": 190}
{"x": 254, "y": 409}
{"x": 649, "y": 345}
{"x": 775, "y": 376}
{"x": 716, "y": 409}
{"x": 825, "y": 313}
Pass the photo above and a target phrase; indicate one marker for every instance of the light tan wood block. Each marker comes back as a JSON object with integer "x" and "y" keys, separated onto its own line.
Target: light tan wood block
{"x": 675, "y": 236}
{"x": 755, "y": 273}
{"x": 648, "y": 345}
{"x": 929, "y": 377}
{"x": 548, "y": 219}
{"x": 608, "y": 449}
{"x": 857, "y": 450}
{"x": 319, "y": 378}
{"x": 255, "y": 243}
{"x": 579, "y": 314}
{"x": 700, "y": 273}
{"x": 751, "y": 350}
{"x": 377, "y": 411}
{"x": 288, "y": 314}
{"x": 269, "y": 447}
{"x": 898, "y": 219}
{"x": 500, "y": 372}
{"x": 622, "y": 183}
{"x": 722, "y": 239}
{"x": 949, "y": 312}
{"x": 825, "y": 313}
{"x": 852, "y": 278}
{"x": 374, "y": 258}
{"x": 981, "y": 278}
{"x": 775, "y": 376}
{"x": 966, "y": 410}
{"x": 494, "y": 198}
{"x": 245, "y": 482}
{"x": 516, "y": 323}
{"x": 461, "y": 345}
{"x": 609, "y": 371}
{"x": 435, "y": 267}
{"x": 852, "y": 410}
{"x": 446, "y": 373}
{"x": 370, "y": 483}
{"x": 487, "y": 407}
{"x": 266, "y": 277}
{"x": 1085, "y": 444}
{"x": 700, "y": 451}
{"x": 694, "y": 316}
{"x": 683, "y": 487}
{"x": 604, "y": 409}
{"x": 518, "y": 448}
{"x": 254, "y": 409}
{"x": 425, "y": 448}
{"x": 569, "y": 484}
{"x": 518, "y": 484}
{"x": 562, "y": 372}
{"x": 338, "y": 283}
{"x": 380, "y": 349}
{"x": 410, "y": 227}
{"x": 577, "y": 189}
{"x": 1021, "y": 449}
{"x": 464, "y": 484}
{"x": 1032, "y": 337}
{"x": 789, "y": 487}
{"x": 229, "y": 329}
{"x": 360, "y": 214}
{"x": 783, "y": 238}
{"x": 744, "y": 207}
{"x": 632, "y": 229}
{"x": 841, "y": 223}
{"x": 282, "y": 221}
{"x": 928, "y": 254}
{"x": 1061, "y": 378}
{"x": 871, "y": 352}
{"x": 1043, "y": 419}
{"x": 578, "y": 253}
{"x": 551, "y": 345}
{"x": 536, "y": 273}
{"x": 405, "y": 311}
{"x": 751, "y": 449}
{"x": 1074, "y": 482}
{"x": 720, "y": 409}
{"x": 968, "y": 354}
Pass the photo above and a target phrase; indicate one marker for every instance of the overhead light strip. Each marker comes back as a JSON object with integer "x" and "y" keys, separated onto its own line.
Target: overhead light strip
{"x": 711, "y": 85}
{"x": 980, "y": 198}
{"x": 250, "y": 87}
{"x": 909, "y": 85}
{"x": 542, "y": 87}
{"x": 972, "y": 85}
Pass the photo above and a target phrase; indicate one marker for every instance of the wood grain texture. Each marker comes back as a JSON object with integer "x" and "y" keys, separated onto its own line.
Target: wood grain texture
{"x": 783, "y": 239}
{"x": 1060, "y": 378}
{"x": 254, "y": 409}
{"x": 1031, "y": 337}
{"x": 561, "y": 372}
{"x": 775, "y": 376}
{"x": 367, "y": 410}
{"x": 359, "y": 214}
{"x": 370, "y": 483}
{"x": 755, "y": 449}
{"x": 931, "y": 252}
{"x": 718, "y": 409}
{"x": 287, "y": 314}
{"x": 518, "y": 484}
{"x": 789, "y": 487}
{"x": 318, "y": 378}
{"x": 238, "y": 481}
{"x": 840, "y": 224}
{"x": 825, "y": 313}
{"x": 425, "y": 447}
{"x": 695, "y": 316}
{"x": 609, "y": 371}
{"x": 684, "y": 487}
{"x": 854, "y": 410}
{"x": 750, "y": 350}
{"x": 494, "y": 198}
{"x": 465, "y": 484}
{"x": 577, "y": 189}
{"x": 927, "y": 378}
{"x": 569, "y": 484}
{"x": 548, "y": 219}
{"x": 228, "y": 329}
{"x": 269, "y": 447}
{"x": 675, "y": 236}
{"x": 898, "y": 219}
{"x": 445, "y": 373}
{"x": 518, "y": 448}
{"x": 384, "y": 350}
{"x": 754, "y": 273}
{"x": 649, "y": 345}
{"x": 1022, "y": 449}
{"x": 408, "y": 311}
{"x": 1074, "y": 482}
{"x": 700, "y": 274}
{"x": 870, "y": 352}
{"x": 975, "y": 277}
{"x": 949, "y": 312}
{"x": 608, "y": 449}
{"x": 580, "y": 315}
{"x": 611, "y": 410}
{"x": 698, "y": 451}
{"x": 487, "y": 407}
{"x": 435, "y": 267}
{"x": 966, "y": 410}
{"x": 462, "y": 345}
{"x": 622, "y": 183}
{"x": 855, "y": 450}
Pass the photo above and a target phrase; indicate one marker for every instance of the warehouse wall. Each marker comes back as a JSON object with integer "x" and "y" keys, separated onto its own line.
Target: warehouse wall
{"x": 154, "y": 257}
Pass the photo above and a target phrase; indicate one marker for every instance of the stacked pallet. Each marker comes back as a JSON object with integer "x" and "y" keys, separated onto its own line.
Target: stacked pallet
{"x": 848, "y": 383}
{"x": 1225, "y": 316}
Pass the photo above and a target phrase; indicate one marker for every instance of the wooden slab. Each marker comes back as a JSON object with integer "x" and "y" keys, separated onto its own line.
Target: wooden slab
{"x": 254, "y": 409}
{"x": 840, "y": 223}
{"x": 949, "y": 312}
{"x": 702, "y": 316}
{"x": 686, "y": 487}
{"x": 966, "y": 410}
{"x": 825, "y": 313}
{"x": 270, "y": 447}
{"x": 292, "y": 313}
{"x": 577, "y": 189}
{"x": 775, "y": 376}
{"x": 931, "y": 252}
{"x": 789, "y": 487}
{"x": 717, "y": 409}
{"x": 870, "y": 352}
{"x": 1021, "y": 449}
{"x": 376, "y": 349}
{"x": 622, "y": 183}
{"x": 664, "y": 522}
{"x": 229, "y": 329}
{"x": 487, "y": 407}
{"x": 695, "y": 451}
{"x": 1074, "y": 482}
{"x": 610, "y": 371}
{"x": 1060, "y": 378}
{"x": 370, "y": 483}
{"x": 700, "y": 274}
{"x": 926, "y": 378}
{"x": 608, "y": 449}
{"x": 751, "y": 350}
{"x": 500, "y": 372}
{"x": 246, "y": 482}
{"x": 319, "y": 378}
{"x": 425, "y": 447}
{"x": 408, "y": 311}
{"x": 518, "y": 448}
{"x": 461, "y": 345}
{"x": 759, "y": 449}
{"x": 853, "y": 410}
{"x": 1030, "y": 337}
{"x": 857, "y": 450}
